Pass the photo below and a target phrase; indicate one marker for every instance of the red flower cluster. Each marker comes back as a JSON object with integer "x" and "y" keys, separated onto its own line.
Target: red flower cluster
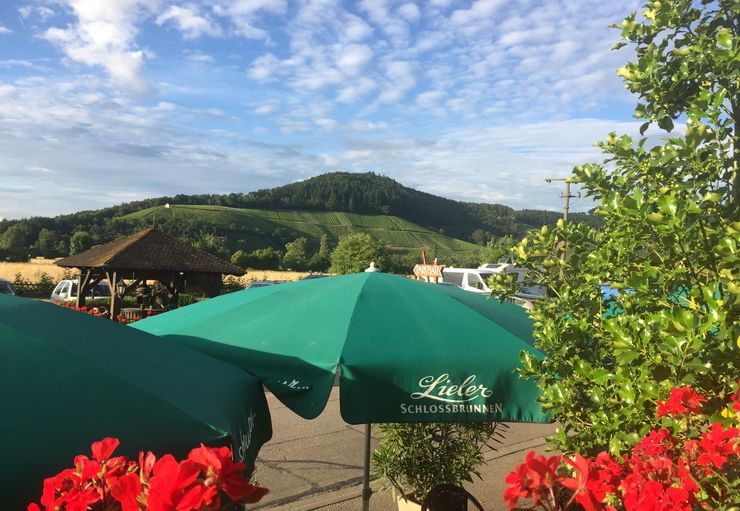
{"x": 662, "y": 473}
{"x": 197, "y": 483}
{"x": 534, "y": 479}
{"x": 92, "y": 311}
{"x": 682, "y": 401}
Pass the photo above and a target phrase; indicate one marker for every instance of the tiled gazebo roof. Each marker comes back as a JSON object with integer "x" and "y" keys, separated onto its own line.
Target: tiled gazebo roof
{"x": 153, "y": 250}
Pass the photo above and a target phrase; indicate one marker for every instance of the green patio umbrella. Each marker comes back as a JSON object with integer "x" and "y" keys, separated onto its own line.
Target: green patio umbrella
{"x": 405, "y": 351}
{"x": 68, "y": 379}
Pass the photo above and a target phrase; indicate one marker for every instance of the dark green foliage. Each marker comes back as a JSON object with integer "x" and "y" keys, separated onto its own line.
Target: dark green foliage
{"x": 79, "y": 242}
{"x": 265, "y": 259}
{"x": 48, "y": 244}
{"x": 321, "y": 260}
{"x": 295, "y": 257}
{"x": 240, "y": 258}
{"x": 496, "y": 249}
{"x": 372, "y": 194}
{"x": 14, "y": 242}
{"x": 41, "y": 288}
{"x": 213, "y": 244}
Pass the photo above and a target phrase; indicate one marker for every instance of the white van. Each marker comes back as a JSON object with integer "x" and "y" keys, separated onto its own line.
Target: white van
{"x": 66, "y": 291}
{"x": 468, "y": 279}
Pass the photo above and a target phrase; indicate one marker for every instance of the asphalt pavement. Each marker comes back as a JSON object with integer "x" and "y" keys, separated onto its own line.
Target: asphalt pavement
{"x": 317, "y": 464}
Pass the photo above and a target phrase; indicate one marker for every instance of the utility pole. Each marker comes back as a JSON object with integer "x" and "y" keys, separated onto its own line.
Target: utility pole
{"x": 567, "y": 195}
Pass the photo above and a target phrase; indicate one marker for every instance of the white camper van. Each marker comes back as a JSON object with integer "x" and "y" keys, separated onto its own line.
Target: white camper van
{"x": 468, "y": 279}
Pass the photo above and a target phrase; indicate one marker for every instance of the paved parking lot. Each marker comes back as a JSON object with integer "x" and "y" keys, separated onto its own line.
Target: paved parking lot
{"x": 317, "y": 464}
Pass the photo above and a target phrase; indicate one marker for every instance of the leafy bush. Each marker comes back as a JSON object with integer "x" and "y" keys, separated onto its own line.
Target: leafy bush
{"x": 355, "y": 252}
{"x": 668, "y": 246}
{"x": 412, "y": 458}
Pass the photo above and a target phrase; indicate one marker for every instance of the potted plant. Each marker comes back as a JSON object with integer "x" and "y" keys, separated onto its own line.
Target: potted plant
{"x": 413, "y": 458}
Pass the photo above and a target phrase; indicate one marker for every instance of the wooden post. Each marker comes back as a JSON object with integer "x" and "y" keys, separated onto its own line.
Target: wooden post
{"x": 82, "y": 286}
{"x": 115, "y": 305}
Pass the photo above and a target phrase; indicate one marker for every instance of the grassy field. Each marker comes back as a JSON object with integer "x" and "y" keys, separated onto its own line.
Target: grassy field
{"x": 31, "y": 270}
{"x": 257, "y": 226}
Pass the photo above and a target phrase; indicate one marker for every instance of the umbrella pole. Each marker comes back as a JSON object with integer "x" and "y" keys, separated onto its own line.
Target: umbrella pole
{"x": 366, "y": 491}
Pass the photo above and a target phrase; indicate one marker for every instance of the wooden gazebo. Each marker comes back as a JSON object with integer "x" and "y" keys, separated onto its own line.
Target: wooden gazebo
{"x": 149, "y": 255}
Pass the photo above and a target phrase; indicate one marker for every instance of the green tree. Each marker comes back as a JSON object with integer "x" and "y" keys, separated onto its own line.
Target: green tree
{"x": 240, "y": 258}
{"x": 14, "y": 243}
{"x": 265, "y": 259}
{"x": 496, "y": 249}
{"x": 355, "y": 252}
{"x": 321, "y": 260}
{"x": 295, "y": 257}
{"x": 214, "y": 244}
{"x": 668, "y": 245}
{"x": 47, "y": 242}
{"x": 79, "y": 242}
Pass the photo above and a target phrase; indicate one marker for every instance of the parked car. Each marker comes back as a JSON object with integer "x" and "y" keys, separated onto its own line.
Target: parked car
{"x": 259, "y": 283}
{"x": 315, "y": 276}
{"x": 447, "y": 284}
{"x": 6, "y": 288}
{"x": 66, "y": 290}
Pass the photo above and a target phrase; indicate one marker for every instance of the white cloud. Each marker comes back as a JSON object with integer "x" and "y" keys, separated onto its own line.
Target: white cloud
{"x": 200, "y": 58}
{"x": 429, "y": 99}
{"x": 355, "y": 89}
{"x": 352, "y": 59}
{"x": 244, "y": 14}
{"x": 264, "y": 67}
{"x": 410, "y": 12}
{"x": 329, "y": 160}
{"x": 320, "y": 83}
{"x": 104, "y": 35}
{"x": 5, "y": 30}
{"x": 189, "y": 21}
{"x": 379, "y": 13}
{"x": 40, "y": 11}
{"x": 400, "y": 79}
{"x": 356, "y": 29}
{"x": 479, "y": 10}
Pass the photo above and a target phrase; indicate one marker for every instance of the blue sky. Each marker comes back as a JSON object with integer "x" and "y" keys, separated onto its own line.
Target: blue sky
{"x": 103, "y": 102}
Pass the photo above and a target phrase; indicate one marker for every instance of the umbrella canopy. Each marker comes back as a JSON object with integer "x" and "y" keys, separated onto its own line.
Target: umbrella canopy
{"x": 405, "y": 351}
{"x": 68, "y": 379}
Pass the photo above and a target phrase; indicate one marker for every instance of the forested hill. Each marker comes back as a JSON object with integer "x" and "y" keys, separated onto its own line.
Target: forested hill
{"x": 367, "y": 194}
{"x": 373, "y": 194}
{"x": 370, "y": 193}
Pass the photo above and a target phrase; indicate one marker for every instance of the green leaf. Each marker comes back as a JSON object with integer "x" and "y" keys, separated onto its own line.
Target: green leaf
{"x": 724, "y": 38}
{"x": 666, "y": 123}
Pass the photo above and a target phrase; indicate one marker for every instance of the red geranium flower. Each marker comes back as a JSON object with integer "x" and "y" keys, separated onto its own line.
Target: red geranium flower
{"x": 682, "y": 401}
{"x": 126, "y": 490}
{"x": 519, "y": 484}
{"x": 716, "y": 445}
{"x": 102, "y": 450}
{"x": 221, "y": 470}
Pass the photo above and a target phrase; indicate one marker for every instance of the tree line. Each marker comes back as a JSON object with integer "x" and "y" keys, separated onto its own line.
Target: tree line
{"x": 339, "y": 191}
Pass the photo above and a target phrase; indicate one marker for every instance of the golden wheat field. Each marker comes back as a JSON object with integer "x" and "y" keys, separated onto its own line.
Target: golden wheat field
{"x": 31, "y": 270}
{"x": 277, "y": 276}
